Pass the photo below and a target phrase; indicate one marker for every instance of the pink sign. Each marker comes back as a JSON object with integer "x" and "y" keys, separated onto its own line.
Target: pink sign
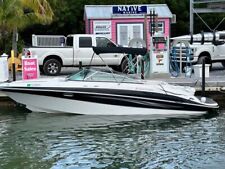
{"x": 30, "y": 68}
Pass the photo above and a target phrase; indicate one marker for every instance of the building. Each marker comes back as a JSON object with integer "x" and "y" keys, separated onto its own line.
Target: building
{"x": 121, "y": 23}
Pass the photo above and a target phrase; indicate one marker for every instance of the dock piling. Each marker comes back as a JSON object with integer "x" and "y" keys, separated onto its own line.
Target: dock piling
{"x": 203, "y": 77}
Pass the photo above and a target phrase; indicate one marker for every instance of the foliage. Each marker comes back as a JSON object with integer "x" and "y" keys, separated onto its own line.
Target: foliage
{"x": 69, "y": 15}
{"x": 19, "y": 14}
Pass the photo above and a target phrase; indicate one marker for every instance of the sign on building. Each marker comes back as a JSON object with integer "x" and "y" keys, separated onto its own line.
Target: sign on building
{"x": 129, "y": 9}
{"x": 102, "y": 28}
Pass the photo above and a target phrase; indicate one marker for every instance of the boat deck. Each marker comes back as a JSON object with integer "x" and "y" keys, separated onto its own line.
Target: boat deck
{"x": 215, "y": 81}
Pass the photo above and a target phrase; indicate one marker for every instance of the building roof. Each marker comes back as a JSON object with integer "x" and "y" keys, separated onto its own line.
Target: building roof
{"x": 106, "y": 11}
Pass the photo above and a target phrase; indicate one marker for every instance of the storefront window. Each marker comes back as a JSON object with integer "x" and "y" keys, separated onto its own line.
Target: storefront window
{"x": 128, "y": 31}
{"x": 123, "y": 35}
{"x": 136, "y": 31}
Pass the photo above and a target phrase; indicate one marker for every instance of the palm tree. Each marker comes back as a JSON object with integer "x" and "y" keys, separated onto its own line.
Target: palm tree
{"x": 17, "y": 14}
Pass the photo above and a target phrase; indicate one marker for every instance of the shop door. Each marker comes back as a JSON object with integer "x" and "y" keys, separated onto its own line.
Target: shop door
{"x": 126, "y": 32}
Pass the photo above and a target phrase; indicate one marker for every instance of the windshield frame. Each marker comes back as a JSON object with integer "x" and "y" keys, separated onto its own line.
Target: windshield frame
{"x": 93, "y": 75}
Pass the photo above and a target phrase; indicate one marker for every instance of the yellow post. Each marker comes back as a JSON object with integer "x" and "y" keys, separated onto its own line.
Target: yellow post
{"x": 13, "y": 65}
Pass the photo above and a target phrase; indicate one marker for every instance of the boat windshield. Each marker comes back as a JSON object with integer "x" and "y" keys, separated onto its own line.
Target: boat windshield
{"x": 100, "y": 75}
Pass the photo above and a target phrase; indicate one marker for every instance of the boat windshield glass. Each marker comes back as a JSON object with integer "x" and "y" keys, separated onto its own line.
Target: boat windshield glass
{"x": 99, "y": 75}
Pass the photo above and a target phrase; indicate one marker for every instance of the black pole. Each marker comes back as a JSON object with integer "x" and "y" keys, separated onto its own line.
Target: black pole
{"x": 191, "y": 41}
{"x": 203, "y": 38}
{"x": 151, "y": 23}
{"x": 142, "y": 69}
{"x": 80, "y": 65}
{"x": 153, "y": 15}
{"x": 14, "y": 71}
{"x": 203, "y": 77}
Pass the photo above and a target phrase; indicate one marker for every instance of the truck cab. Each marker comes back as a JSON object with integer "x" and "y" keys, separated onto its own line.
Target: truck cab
{"x": 82, "y": 49}
{"x": 69, "y": 51}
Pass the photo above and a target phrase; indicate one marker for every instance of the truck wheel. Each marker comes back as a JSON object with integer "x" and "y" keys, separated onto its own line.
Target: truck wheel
{"x": 207, "y": 61}
{"x": 116, "y": 68}
{"x": 223, "y": 63}
{"x": 41, "y": 69}
{"x": 124, "y": 66}
{"x": 52, "y": 67}
{"x": 201, "y": 58}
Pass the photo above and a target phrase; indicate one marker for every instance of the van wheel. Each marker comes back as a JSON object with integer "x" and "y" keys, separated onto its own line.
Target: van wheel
{"x": 52, "y": 67}
{"x": 207, "y": 61}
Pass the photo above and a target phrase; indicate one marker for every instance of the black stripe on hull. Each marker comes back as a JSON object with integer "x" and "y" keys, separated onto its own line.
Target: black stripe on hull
{"x": 128, "y": 98}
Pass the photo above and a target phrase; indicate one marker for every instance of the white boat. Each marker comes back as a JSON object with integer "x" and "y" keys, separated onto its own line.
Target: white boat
{"x": 97, "y": 92}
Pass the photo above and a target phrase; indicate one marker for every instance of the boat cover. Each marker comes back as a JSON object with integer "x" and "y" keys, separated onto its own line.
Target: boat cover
{"x": 127, "y": 50}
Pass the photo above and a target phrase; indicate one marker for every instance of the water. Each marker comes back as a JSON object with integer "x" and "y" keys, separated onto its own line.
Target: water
{"x": 40, "y": 140}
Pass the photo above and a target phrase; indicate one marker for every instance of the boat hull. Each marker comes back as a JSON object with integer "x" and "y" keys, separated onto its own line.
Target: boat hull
{"x": 38, "y": 103}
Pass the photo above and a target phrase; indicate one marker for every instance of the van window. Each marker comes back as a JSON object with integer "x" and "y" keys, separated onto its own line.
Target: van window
{"x": 104, "y": 42}
{"x": 69, "y": 41}
{"x": 85, "y": 42}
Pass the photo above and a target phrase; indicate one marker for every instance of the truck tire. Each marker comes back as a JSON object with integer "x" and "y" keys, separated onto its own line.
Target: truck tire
{"x": 41, "y": 69}
{"x": 116, "y": 68}
{"x": 52, "y": 67}
{"x": 207, "y": 61}
{"x": 124, "y": 66}
{"x": 201, "y": 58}
{"x": 223, "y": 63}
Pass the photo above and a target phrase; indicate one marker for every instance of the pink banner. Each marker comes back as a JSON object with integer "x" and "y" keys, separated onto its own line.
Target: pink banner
{"x": 30, "y": 68}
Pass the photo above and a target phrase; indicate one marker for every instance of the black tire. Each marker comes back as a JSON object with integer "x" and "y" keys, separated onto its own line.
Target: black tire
{"x": 223, "y": 63}
{"x": 52, "y": 67}
{"x": 116, "y": 68}
{"x": 124, "y": 66}
{"x": 201, "y": 58}
{"x": 41, "y": 69}
{"x": 207, "y": 61}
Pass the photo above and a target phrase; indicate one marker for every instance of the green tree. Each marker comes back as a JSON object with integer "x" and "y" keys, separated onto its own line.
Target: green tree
{"x": 18, "y": 14}
{"x": 69, "y": 17}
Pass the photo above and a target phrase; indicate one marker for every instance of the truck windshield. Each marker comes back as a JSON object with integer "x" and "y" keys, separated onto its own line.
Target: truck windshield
{"x": 104, "y": 42}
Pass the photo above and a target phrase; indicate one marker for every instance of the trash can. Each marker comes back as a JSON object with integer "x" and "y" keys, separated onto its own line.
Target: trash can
{"x": 198, "y": 70}
{"x": 4, "y": 70}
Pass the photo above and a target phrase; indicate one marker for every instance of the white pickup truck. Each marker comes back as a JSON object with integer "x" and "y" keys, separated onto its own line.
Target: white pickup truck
{"x": 209, "y": 46}
{"x": 211, "y": 52}
{"x": 75, "y": 49}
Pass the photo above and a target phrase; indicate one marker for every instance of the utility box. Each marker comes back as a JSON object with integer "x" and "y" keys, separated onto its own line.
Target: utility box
{"x": 198, "y": 70}
{"x": 4, "y": 70}
{"x": 159, "y": 62}
{"x": 159, "y": 55}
